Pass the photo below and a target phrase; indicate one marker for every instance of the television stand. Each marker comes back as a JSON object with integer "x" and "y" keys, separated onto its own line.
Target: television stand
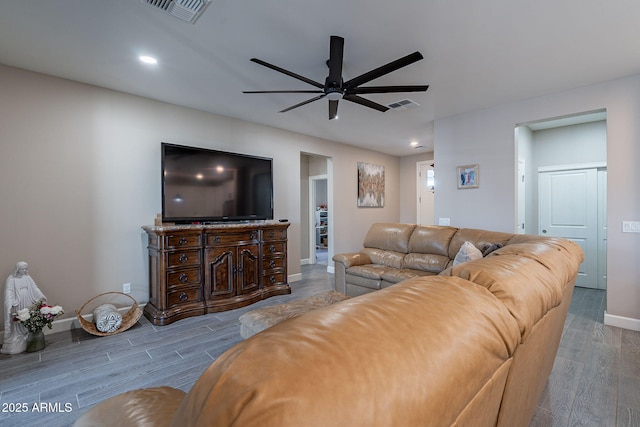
{"x": 205, "y": 268}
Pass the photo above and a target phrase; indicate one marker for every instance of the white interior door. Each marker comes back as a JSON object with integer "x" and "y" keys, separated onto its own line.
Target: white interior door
{"x": 426, "y": 188}
{"x": 568, "y": 208}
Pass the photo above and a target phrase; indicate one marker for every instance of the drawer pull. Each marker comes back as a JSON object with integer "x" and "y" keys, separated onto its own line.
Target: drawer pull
{"x": 272, "y": 279}
{"x": 272, "y": 249}
{"x": 184, "y": 278}
{"x": 216, "y": 239}
{"x": 182, "y": 241}
{"x": 272, "y": 263}
{"x": 272, "y": 234}
{"x": 183, "y": 258}
{"x": 252, "y": 235}
{"x": 183, "y": 296}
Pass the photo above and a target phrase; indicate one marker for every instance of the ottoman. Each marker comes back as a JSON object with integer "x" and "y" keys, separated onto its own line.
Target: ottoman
{"x": 258, "y": 320}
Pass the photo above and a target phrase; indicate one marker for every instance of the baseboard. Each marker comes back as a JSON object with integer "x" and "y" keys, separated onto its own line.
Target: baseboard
{"x": 622, "y": 322}
{"x": 306, "y": 261}
{"x": 294, "y": 277}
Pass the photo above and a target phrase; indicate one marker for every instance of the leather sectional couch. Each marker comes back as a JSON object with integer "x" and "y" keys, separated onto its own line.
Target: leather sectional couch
{"x": 470, "y": 346}
{"x": 395, "y": 252}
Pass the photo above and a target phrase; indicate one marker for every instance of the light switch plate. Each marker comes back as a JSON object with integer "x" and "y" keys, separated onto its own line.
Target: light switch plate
{"x": 444, "y": 221}
{"x": 631, "y": 226}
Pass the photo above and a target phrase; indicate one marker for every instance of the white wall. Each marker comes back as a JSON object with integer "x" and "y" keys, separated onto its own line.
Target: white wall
{"x": 80, "y": 174}
{"x": 486, "y": 137}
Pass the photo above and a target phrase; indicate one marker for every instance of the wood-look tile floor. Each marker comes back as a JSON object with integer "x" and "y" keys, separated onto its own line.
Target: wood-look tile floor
{"x": 596, "y": 375}
{"x": 595, "y": 382}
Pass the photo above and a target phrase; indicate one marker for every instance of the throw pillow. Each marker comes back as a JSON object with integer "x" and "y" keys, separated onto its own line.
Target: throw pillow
{"x": 467, "y": 252}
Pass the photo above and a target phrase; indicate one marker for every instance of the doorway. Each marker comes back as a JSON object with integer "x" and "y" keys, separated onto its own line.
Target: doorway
{"x": 316, "y": 213}
{"x": 426, "y": 181}
{"x": 319, "y": 220}
{"x": 561, "y": 186}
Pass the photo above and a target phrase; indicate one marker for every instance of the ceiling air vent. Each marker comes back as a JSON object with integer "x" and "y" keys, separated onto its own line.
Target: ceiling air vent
{"x": 186, "y": 10}
{"x": 405, "y": 104}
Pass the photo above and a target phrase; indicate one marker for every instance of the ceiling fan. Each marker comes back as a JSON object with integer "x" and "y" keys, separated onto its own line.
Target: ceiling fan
{"x": 335, "y": 88}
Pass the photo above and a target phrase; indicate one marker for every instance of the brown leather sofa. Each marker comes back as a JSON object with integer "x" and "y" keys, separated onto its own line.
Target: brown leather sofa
{"x": 395, "y": 252}
{"x": 472, "y": 346}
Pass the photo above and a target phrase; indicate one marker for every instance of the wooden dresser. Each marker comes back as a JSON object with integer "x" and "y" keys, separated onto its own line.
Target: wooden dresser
{"x": 198, "y": 269}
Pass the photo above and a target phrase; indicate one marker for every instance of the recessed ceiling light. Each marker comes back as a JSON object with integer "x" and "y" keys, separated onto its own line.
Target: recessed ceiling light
{"x": 414, "y": 143}
{"x": 148, "y": 59}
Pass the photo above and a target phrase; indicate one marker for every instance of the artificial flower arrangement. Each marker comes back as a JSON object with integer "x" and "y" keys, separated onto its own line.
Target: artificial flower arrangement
{"x": 38, "y": 316}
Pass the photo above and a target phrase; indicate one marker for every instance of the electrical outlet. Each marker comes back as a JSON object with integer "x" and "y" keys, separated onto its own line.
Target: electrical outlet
{"x": 126, "y": 288}
{"x": 444, "y": 221}
{"x": 631, "y": 226}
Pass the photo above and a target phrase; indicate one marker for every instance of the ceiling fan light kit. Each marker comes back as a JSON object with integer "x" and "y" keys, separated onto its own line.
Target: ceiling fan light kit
{"x": 335, "y": 88}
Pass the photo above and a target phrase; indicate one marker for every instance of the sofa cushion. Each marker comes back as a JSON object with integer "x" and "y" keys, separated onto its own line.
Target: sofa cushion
{"x": 431, "y": 239}
{"x": 388, "y": 257}
{"x": 526, "y": 288}
{"x": 393, "y": 354}
{"x": 545, "y": 250}
{"x": 389, "y": 236}
{"x": 426, "y": 262}
{"x": 398, "y": 275}
{"x": 369, "y": 271}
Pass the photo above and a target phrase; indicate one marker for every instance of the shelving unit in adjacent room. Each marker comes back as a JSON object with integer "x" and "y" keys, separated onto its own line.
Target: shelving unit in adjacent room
{"x": 322, "y": 225}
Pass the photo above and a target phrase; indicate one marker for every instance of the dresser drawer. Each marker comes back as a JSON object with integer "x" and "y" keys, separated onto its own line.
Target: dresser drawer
{"x": 174, "y": 241}
{"x": 274, "y": 234}
{"x": 224, "y": 238}
{"x": 183, "y": 296}
{"x": 274, "y": 278}
{"x": 184, "y": 258}
{"x": 189, "y": 276}
{"x": 269, "y": 263}
{"x": 273, "y": 248}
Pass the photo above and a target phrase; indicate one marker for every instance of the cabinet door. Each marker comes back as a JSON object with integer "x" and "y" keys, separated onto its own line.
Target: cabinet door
{"x": 220, "y": 268}
{"x": 248, "y": 268}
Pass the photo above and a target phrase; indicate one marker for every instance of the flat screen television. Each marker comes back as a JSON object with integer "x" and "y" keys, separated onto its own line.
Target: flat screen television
{"x": 201, "y": 185}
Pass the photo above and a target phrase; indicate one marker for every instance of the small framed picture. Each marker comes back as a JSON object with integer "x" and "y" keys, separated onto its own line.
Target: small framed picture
{"x": 468, "y": 176}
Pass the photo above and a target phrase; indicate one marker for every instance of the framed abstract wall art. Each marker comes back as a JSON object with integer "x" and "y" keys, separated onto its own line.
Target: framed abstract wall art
{"x": 370, "y": 185}
{"x": 468, "y": 176}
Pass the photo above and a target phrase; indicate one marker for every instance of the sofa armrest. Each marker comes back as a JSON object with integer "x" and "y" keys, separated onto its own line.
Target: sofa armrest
{"x": 352, "y": 258}
{"x": 344, "y": 261}
{"x": 143, "y": 407}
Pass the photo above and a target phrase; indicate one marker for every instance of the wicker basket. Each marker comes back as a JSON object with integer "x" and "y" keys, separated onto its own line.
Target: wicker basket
{"x": 128, "y": 320}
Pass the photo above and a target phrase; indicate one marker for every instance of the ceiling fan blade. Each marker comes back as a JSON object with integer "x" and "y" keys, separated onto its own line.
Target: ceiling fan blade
{"x": 385, "y": 69}
{"x": 336, "y": 50}
{"x": 388, "y": 89}
{"x": 288, "y": 73}
{"x": 362, "y": 101}
{"x": 333, "y": 109}
{"x": 303, "y": 103}
{"x": 282, "y": 91}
